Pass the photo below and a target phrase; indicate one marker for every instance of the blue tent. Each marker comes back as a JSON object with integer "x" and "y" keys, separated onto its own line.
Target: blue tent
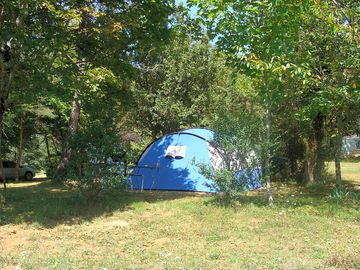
{"x": 169, "y": 163}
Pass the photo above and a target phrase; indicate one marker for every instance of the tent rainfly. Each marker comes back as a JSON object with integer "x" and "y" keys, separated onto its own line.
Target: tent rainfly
{"x": 170, "y": 163}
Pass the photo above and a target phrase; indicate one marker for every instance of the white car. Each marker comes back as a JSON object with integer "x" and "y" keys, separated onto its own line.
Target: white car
{"x": 25, "y": 172}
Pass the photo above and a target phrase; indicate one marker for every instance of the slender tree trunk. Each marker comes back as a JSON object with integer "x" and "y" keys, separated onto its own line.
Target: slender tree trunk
{"x": 54, "y": 144}
{"x": 338, "y": 171}
{"x": 2, "y": 176}
{"x": 47, "y": 148}
{"x": 268, "y": 156}
{"x": 267, "y": 159}
{"x": 73, "y": 127}
{"x": 20, "y": 147}
{"x": 338, "y": 151}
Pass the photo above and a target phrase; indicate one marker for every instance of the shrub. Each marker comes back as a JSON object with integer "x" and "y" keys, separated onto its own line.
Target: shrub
{"x": 91, "y": 168}
{"x": 237, "y": 145}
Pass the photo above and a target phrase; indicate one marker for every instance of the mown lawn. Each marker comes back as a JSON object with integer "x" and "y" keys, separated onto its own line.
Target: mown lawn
{"x": 43, "y": 226}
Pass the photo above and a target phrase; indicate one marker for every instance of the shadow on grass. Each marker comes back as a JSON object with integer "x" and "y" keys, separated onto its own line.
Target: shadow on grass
{"x": 47, "y": 204}
{"x": 293, "y": 196}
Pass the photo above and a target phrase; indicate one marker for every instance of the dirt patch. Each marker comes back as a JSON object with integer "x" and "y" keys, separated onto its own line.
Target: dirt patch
{"x": 14, "y": 237}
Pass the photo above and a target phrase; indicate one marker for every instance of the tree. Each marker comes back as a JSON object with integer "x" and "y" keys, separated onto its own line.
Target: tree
{"x": 295, "y": 50}
{"x": 256, "y": 37}
{"x": 108, "y": 37}
{"x": 23, "y": 39}
{"x": 50, "y": 48}
{"x": 175, "y": 89}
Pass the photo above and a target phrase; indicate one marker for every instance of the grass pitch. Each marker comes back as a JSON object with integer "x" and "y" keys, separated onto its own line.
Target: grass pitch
{"x": 43, "y": 226}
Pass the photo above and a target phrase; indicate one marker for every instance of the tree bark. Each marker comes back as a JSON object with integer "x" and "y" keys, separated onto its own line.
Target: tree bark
{"x": 2, "y": 176}
{"x": 268, "y": 156}
{"x": 309, "y": 162}
{"x": 47, "y": 148}
{"x": 54, "y": 144}
{"x": 73, "y": 127}
{"x": 267, "y": 159}
{"x": 313, "y": 163}
{"x": 20, "y": 147}
{"x": 338, "y": 171}
{"x": 338, "y": 146}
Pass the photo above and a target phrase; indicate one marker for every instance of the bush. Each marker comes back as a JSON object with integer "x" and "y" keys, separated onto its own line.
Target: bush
{"x": 238, "y": 146}
{"x": 91, "y": 168}
{"x": 93, "y": 178}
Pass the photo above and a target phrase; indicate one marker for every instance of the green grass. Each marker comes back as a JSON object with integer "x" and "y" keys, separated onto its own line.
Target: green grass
{"x": 351, "y": 170}
{"x": 43, "y": 226}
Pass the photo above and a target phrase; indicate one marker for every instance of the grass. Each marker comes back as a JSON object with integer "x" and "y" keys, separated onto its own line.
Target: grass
{"x": 351, "y": 170}
{"x": 43, "y": 226}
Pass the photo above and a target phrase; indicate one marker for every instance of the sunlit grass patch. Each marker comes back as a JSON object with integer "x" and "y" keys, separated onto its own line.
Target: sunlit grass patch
{"x": 350, "y": 171}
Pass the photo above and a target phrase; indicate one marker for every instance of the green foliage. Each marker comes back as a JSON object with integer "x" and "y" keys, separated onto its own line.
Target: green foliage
{"x": 2, "y": 200}
{"x": 97, "y": 139}
{"x": 303, "y": 54}
{"x": 95, "y": 178}
{"x": 134, "y": 150}
{"x": 176, "y": 87}
{"x": 239, "y": 135}
{"x": 37, "y": 121}
{"x": 238, "y": 144}
{"x": 341, "y": 194}
{"x": 239, "y": 127}
{"x": 223, "y": 179}
{"x": 91, "y": 168}
{"x": 55, "y": 50}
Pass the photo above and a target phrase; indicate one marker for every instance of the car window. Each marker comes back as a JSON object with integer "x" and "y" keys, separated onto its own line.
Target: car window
{"x": 8, "y": 164}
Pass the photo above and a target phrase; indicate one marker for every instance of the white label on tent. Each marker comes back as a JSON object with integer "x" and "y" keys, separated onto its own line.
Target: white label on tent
{"x": 175, "y": 151}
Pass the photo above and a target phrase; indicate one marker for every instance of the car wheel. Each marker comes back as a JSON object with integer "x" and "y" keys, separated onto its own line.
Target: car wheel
{"x": 28, "y": 176}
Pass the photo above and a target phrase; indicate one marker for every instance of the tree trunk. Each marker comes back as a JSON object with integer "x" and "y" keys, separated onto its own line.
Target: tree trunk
{"x": 47, "y": 148}
{"x": 313, "y": 162}
{"x": 309, "y": 162}
{"x": 73, "y": 127}
{"x": 268, "y": 156}
{"x": 2, "y": 176}
{"x": 338, "y": 171}
{"x": 338, "y": 145}
{"x": 20, "y": 147}
{"x": 5, "y": 80}
{"x": 54, "y": 144}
